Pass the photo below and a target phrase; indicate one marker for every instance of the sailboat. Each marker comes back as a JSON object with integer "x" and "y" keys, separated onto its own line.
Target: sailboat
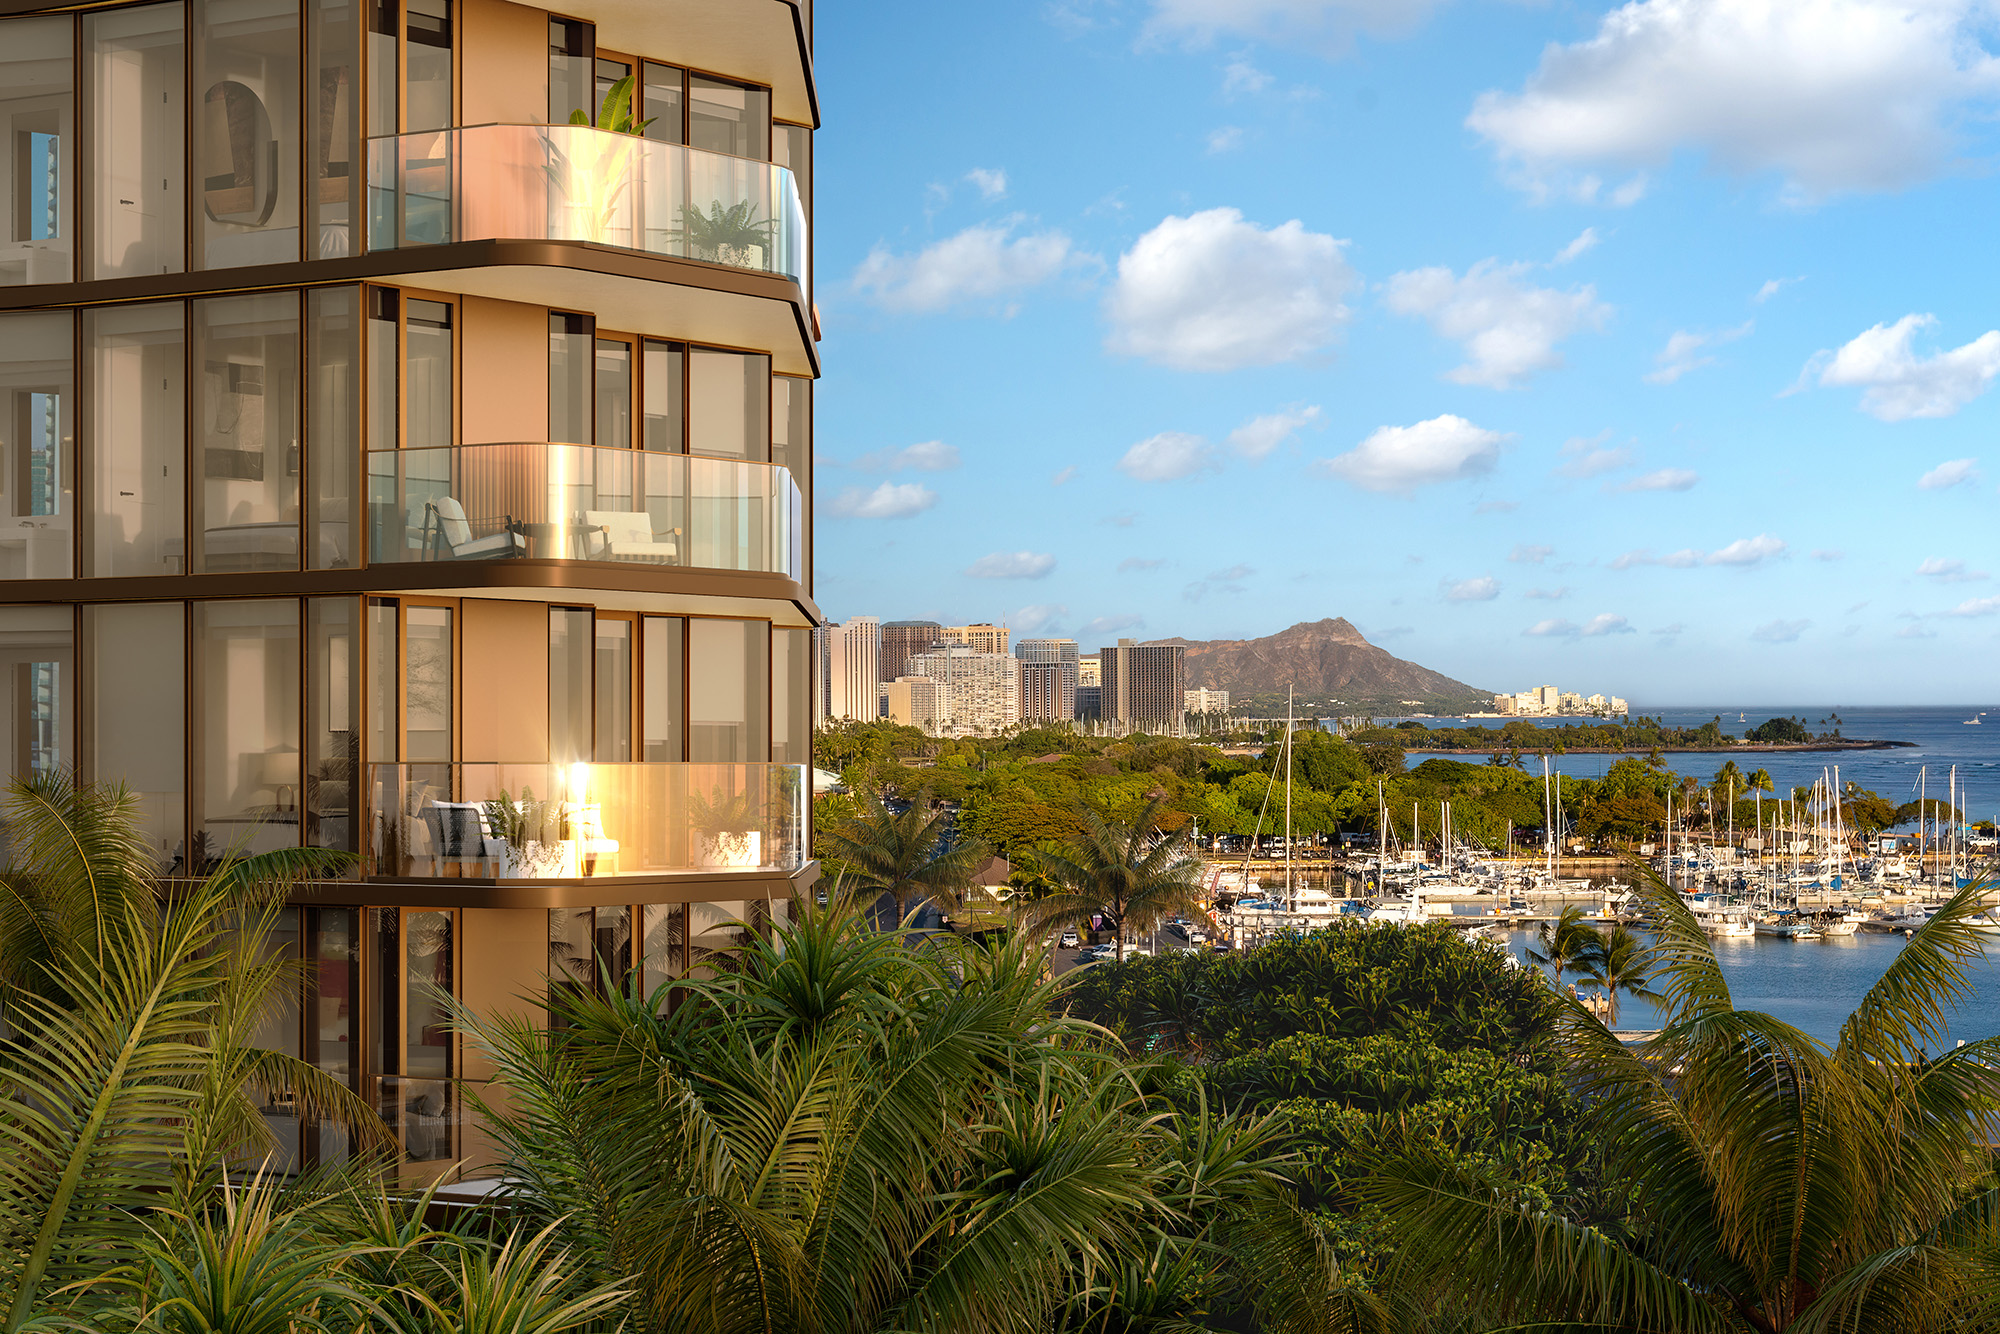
{"x": 1973, "y": 721}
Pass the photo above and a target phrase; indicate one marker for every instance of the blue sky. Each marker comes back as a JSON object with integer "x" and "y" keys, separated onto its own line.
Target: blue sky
{"x": 1642, "y": 350}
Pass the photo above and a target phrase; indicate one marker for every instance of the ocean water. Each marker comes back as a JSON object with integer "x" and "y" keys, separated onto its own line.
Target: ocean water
{"x": 1815, "y": 984}
{"x": 1941, "y": 739}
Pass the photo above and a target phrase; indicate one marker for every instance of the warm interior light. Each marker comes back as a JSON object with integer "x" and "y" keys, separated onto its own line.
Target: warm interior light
{"x": 579, "y": 783}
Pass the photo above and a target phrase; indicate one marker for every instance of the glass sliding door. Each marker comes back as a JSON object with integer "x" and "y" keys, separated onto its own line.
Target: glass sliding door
{"x": 38, "y": 671}
{"x": 247, "y": 419}
{"x": 614, "y": 394}
{"x": 37, "y": 150}
{"x": 569, "y": 378}
{"x": 615, "y": 654}
{"x": 729, "y": 404}
{"x": 729, "y": 687}
{"x": 333, "y": 722}
{"x": 662, "y": 701}
{"x": 246, "y": 718}
{"x": 333, "y": 443}
{"x": 663, "y": 397}
{"x": 137, "y": 107}
{"x": 135, "y": 729}
{"x": 333, "y": 199}
{"x": 138, "y": 439}
{"x": 37, "y": 445}
{"x": 572, "y": 686}
{"x": 411, "y": 1046}
{"x": 333, "y": 994}
{"x": 246, "y": 131}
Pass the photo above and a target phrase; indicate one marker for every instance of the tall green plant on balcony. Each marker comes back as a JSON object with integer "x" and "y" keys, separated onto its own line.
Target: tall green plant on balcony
{"x": 592, "y": 172}
{"x": 727, "y": 235}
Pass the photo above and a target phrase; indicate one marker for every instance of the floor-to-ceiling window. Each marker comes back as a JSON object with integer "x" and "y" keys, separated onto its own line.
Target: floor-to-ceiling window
{"x": 247, "y": 758}
{"x": 137, "y": 439}
{"x": 245, "y": 131}
{"x": 247, "y": 421}
{"x": 37, "y": 152}
{"x": 37, "y": 444}
{"x": 135, "y": 729}
{"x": 136, "y": 122}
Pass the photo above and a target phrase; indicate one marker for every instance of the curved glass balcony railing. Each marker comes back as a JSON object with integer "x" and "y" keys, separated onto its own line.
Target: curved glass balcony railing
{"x": 583, "y": 821}
{"x": 581, "y": 502}
{"x": 577, "y": 183}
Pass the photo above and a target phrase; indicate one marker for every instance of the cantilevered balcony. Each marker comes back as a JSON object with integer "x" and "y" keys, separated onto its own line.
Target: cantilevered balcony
{"x": 584, "y": 821}
{"x": 577, "y": 183}
{"x": 582, "y": 503}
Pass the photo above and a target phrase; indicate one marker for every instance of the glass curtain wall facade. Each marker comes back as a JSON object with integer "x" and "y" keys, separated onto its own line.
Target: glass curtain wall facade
{"x": 511, "y": 604}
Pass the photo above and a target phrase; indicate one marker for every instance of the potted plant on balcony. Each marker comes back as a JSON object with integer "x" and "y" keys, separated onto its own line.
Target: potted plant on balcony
{"x": 728, "y": 829}
{"x": 534, "y": 851}
{"x": 732, "y": 235}
{"x": 595, "y": 172}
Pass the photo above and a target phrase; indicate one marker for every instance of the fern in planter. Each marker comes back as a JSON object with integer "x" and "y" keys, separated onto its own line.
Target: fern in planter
{"x": 730, "y": 827}
{"x": 530, "y": 829}
{"x": 726, "y": 235}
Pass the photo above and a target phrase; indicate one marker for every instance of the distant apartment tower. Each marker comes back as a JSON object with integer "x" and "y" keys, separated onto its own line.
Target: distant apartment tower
{"x": 1048, "y": 678}
{"x": 1549, "y": 698}
{"x": 853, "y": 686}
{"x": 1203, "y": 700}
{"x": 1619, "y": 708}
{"x": 913, "y": 701}
{"x": 980, "y": 637}
{"x": 1504, "y": 702}
{"x": 1145, "y": 685}
{"x": 902, "y": 638}
{"x": 1090, "y": 670}
{"x": 978, "y": 692}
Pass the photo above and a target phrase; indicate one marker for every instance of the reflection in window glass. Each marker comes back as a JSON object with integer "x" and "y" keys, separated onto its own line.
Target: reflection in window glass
{"x": 791, "y": 146}
{"x": 246, "y": 131}
{"x": 665, "y": 93}
{"x": 382, "y": 745}
{"x": 427, "y": 374}
{"x": 279, "y": 1029}
{"x": 570, "y": 45}
{"x": 247, "y": 422}
{"x": 38, "y": 125}
{"x": 714, "y": 929}
{"x": 614, "y": 393}
{"x": 729, "y": 404}
{"x": 570, "y": 685}
{"x": 37, "y": 667}
{"x": 333, "y": 350}
{"x": 728, "y": 691}
{"x": 662, "y": 944}
{"x": 791, "y": 711}
{"x": 334, "y": 945}
{"x": 136, "y": 125}
{"x": 427, "y": 66}
{"x": 134, "y": 731}
{"x": 138, "y": 439}
{"x": 383, "y": 359}
{"x": 335, "y": 194}
{"x": 729, "y": 118}
{"x": 246, "y": 700}
{"x": 382, "y": 17}
{"x": 427, "y": 685}
{"x": 37, "y": 444}
{"x": 428, "y": 1036}
{"x": 791, "y": 425}
{"x": 665, "y": 397}
{"x": 569, "y": 378}
{"x": 614, "y": 691}
{"x": 333, "y": 721}
{"x": 660, "y": 700}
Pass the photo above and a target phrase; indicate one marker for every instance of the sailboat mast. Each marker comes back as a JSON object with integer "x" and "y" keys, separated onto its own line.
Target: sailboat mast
{"x": 1290, "y": 898}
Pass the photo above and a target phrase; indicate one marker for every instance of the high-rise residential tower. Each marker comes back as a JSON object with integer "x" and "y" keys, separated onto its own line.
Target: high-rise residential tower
{"x": 902, "y": 638}
{"x": 980, "y": 637}
{"x": 976, "y": 692}
{"x": 1145, "y": 685}
{"x": 388, "y": 464}
{"x": 854, "y": 686}
{"x": 1048, "y": 678}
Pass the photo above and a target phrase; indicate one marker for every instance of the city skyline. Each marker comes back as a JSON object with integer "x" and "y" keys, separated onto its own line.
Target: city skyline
{"x": 1677, "y": 406}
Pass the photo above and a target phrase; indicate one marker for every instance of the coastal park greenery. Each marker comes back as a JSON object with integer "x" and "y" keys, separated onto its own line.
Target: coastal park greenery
{"x": 1029, "y": 788}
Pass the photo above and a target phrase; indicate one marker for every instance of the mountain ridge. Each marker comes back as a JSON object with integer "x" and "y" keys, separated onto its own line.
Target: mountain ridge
{"x": 1326, "y": 661}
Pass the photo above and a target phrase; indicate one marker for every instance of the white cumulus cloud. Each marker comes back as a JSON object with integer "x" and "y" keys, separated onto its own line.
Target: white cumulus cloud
{"x": 1509, "y": 327}
{"x": 1898, "y": 383}
{"x": 1167, "y": 457}
{"x": 1213, "y": 292}
{"x": 1554, "y": 628}
{"x": 1976, "y": 607}
{"x": 1954, "y": 472}
{"x": 1257, "y": 437}
{"x": 1829, "y": 95}
{"x": 1743, "y": 553}
{"x": 927, "y": 456}
{"x": 990, "y": 181}
{"x": 891, "y": 500}
{"x": 1950, "y": 571}
{"x": 1399, "y": 459}
{"x": 1326, "y": 26}
{"x": 1037, "y": 618}
{"x": 1604, "y": 623}
{"x": 1687, "y": 350}
{"x": 1012, "y": 565}
{"x": 1482, "y": 589}
{"x": 982, "y": 263}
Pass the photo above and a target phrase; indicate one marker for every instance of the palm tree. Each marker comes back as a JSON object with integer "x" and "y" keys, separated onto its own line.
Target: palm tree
{"x": 1567, "y": 944}
{"x": 844, "y": 1136}
{"x": 1619, "y": 963}
{"x": 130, "y": 1069}
{"x": 1775, "y": 1183}
{"x": 1130, "y": 875}
{"x": 1759, "y": 781}
{"x": 909, "y": 857}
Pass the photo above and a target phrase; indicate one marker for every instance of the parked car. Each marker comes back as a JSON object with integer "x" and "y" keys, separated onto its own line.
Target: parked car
{"x": 1070, "y": 940}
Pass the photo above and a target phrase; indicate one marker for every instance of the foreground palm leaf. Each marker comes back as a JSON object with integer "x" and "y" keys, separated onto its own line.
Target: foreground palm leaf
{"x": 1777, "y": 1184}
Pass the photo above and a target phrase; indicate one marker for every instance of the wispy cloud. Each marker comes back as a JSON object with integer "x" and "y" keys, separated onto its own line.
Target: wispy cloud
{"x": 1167, "y": 457}
{"x": 1587, "y": 456}
{"x": 1484, "y": 588}
{"x": 1953, "y": 472}
{"x": 1587, "y": 239}
{"x": 1688, "y": 349}
{"x": 1948, "y": 571}
{"x": 1780, "y": 631}
{"x": 1604, "y": 623}
{"x": 1527, "y": 554}
{"x": 990, "y": 181}
{"x": 1662, "y": 479}
{"x": 890, "y": 500}
{"x": 1131, "y": 563}
{"x": 929, "y": 456}
{"x": 1743, "y": 553}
